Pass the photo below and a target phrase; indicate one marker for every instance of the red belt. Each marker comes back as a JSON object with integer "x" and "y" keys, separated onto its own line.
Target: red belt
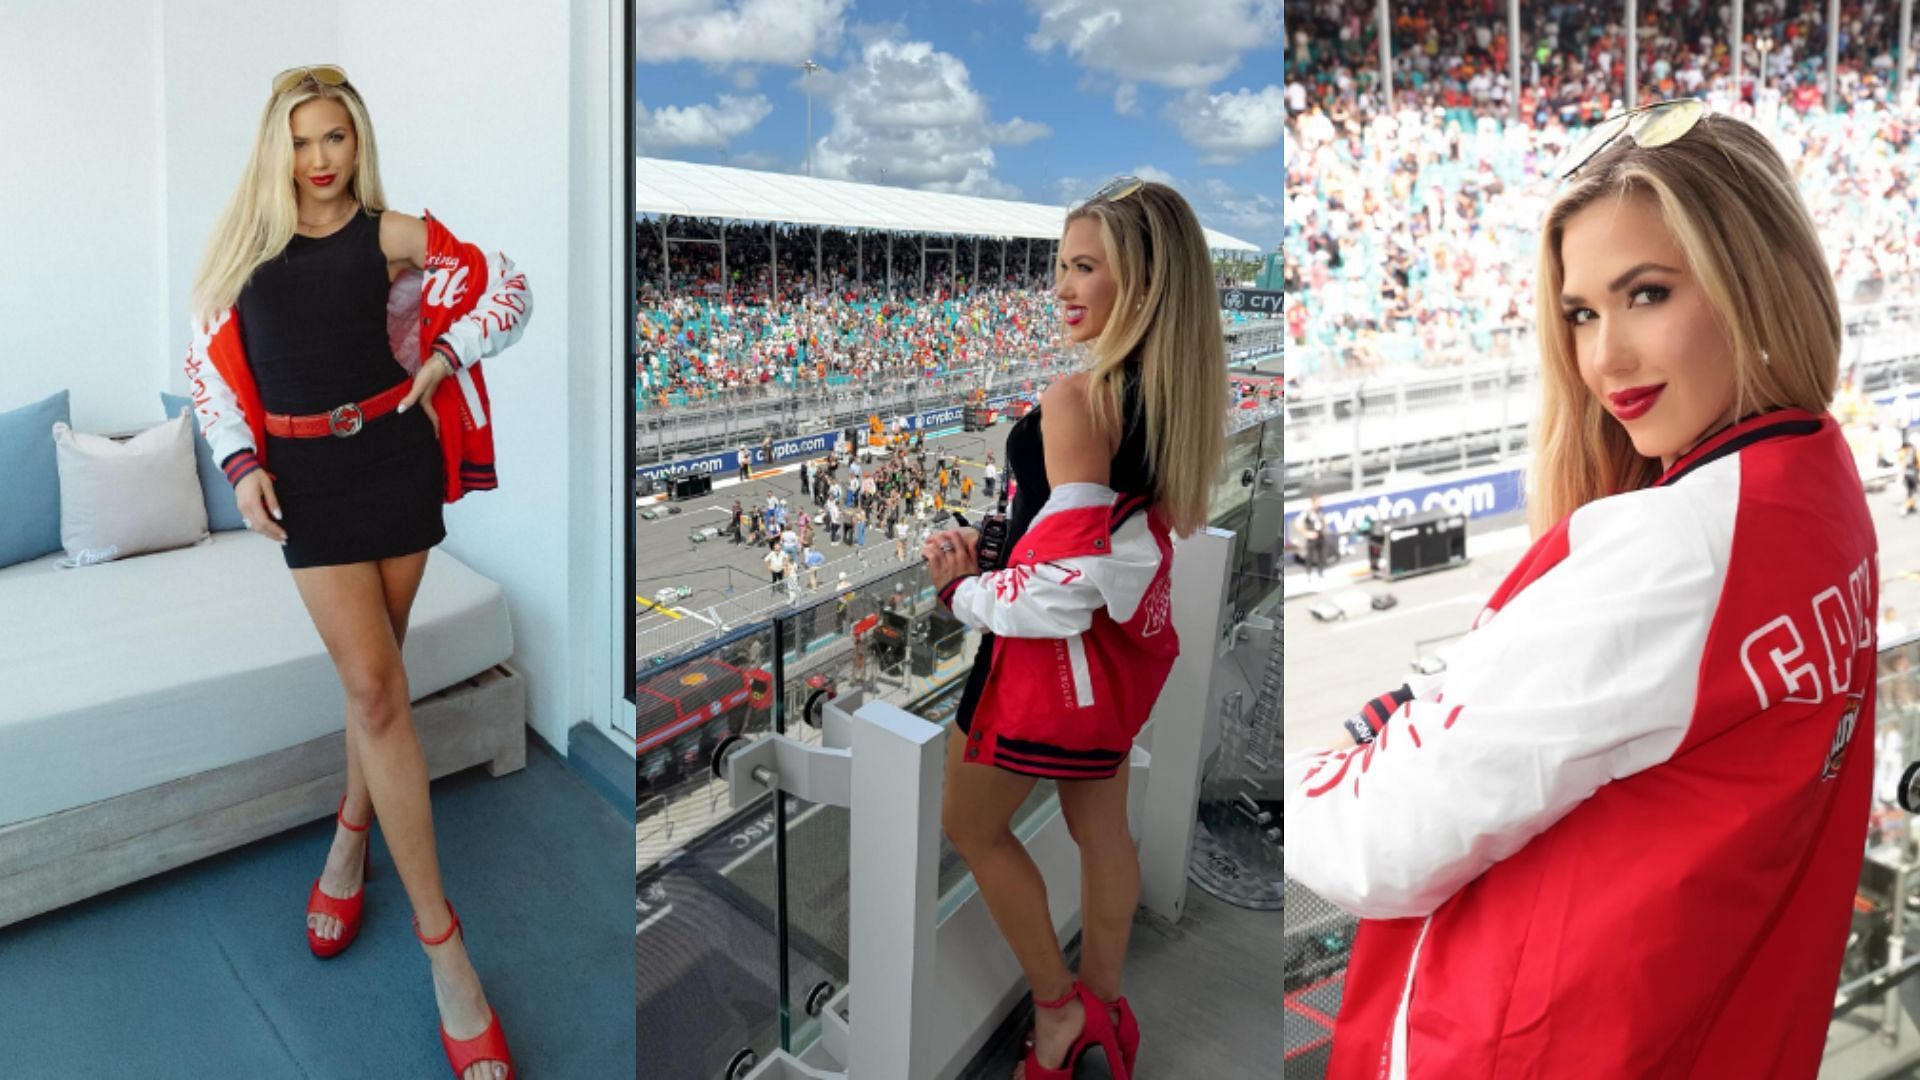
{"x": 341, "y": 422}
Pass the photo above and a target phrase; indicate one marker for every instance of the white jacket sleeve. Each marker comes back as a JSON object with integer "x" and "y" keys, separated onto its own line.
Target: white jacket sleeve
{"x": 1057, "y": 599}
{"x": 498, "y": 320}
{"x": 214, "y": 403}
{"x": 1587, "y": 675}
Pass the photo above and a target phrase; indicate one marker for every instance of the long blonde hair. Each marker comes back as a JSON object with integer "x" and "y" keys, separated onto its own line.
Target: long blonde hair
{"x": 1731, "y": 205}
{"x": 260, "y": 218}
{"x": 1157, "y": 254}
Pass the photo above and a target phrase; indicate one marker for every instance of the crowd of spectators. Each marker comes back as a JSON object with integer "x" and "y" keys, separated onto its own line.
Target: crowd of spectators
{"x": 1454, "y": 56}
{"x": 1411, "y": 235}
{"x": 696, "y": 340}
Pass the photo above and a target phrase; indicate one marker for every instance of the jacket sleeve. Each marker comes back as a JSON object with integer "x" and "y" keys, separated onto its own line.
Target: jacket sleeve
{"x": 216, "y": 406}
{"x": 1589, "y": 674}
{"x": 1057, "y": 599}
{"x": 496, "y": 321}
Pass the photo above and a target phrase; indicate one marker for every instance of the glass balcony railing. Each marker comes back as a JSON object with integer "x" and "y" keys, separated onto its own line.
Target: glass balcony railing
{"x": 741, "y": 914}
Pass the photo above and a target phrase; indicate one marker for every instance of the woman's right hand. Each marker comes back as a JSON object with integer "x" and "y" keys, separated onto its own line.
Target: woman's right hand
{"x": 260, "y": 506}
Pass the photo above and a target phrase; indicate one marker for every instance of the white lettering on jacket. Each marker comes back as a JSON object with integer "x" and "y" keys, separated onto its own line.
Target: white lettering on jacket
{"x": 1784, "y": 672}
{"x": 445, "y": 289}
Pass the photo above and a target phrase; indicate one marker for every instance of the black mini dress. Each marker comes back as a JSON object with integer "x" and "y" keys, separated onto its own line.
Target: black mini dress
{"x": 313, "y": 322}
{"x": 1027, "y": 461}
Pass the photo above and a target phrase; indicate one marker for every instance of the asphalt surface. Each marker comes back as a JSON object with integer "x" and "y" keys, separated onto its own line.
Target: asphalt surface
{"x": 669, "y": 558}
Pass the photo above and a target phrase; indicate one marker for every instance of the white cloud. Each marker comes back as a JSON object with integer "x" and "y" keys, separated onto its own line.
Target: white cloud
{"x": 1216, "y": 203}
{"x": 757, "y": 159}
{"x": 1225, "y": 208}
{"x": 728, "y": 32}
{"x": 745, "y": 79}
{"x": 906, "y": 113}
{"x": 1193, "y": 43}
{"x": 709, "y": 125}
{"x": 1126, "y": 99}
{"x": 1018, "y": 132}
{"x": 1229, "y": 126}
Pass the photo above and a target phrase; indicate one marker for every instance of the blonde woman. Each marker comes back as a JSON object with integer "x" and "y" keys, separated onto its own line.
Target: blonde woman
{"x": 1619, "y": 835}
{"x": 1076, "y": 633}
{"x": 338, "y": 391}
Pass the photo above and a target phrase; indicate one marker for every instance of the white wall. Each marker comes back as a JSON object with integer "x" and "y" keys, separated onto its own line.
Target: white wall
{"x": 138, "y": 116}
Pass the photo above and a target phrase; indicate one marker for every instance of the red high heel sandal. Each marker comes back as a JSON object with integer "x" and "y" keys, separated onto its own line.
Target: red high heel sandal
{"x": 346, "y": 909}
{"x": 1127, "y": 1031}
{"x": 1097, "y": 1032}
{"x": 489, "y": 1045}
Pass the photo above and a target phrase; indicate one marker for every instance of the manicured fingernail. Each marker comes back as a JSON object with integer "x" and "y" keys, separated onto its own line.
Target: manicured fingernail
{"x": 403, "y": 408}
{"x": 276, "y": 514}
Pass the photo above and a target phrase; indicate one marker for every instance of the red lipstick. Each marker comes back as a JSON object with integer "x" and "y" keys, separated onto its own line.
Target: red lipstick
{"x": 1635, "y": 403}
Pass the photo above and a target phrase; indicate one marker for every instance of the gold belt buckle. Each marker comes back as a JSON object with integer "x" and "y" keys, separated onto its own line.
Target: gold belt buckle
{"x": 345, "y": 421}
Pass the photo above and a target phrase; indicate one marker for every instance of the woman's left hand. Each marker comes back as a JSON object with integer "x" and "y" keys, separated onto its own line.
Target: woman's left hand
{"x": 950, "y": 554}
{"x": 425, "y": 381}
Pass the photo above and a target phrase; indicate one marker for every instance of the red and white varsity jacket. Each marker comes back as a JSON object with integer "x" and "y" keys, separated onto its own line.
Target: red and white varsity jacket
{"x": 1083, "y": 634}
{"x": 1620, "y": 835}
{"x": 465, "y": 304}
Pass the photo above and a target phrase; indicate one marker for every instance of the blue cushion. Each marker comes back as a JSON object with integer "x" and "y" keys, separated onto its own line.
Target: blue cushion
{"x": 30, "y": 480}
{"x": 223, "y": 512}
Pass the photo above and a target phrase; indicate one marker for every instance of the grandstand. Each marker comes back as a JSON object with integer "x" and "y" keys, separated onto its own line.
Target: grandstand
{"x": 772, "y": 304}
{"x": 1410, "y": 235}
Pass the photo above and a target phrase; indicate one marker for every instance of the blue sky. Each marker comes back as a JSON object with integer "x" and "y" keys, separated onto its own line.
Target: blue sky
{"x": 1037, "y": 100}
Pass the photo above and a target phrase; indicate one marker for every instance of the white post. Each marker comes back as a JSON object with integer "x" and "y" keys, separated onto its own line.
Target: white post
{"x": 893, "y": 889}
{"x": 1184, "y": 727}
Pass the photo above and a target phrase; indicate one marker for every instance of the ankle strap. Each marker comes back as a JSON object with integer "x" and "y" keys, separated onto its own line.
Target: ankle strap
{"x": 340, "y": 815}
{"x": 1072, "y": 992}
{"x": 455, "y": 925}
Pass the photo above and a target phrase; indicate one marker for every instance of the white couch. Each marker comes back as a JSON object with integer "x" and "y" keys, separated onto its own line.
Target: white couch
{"x": 168, "y": 706}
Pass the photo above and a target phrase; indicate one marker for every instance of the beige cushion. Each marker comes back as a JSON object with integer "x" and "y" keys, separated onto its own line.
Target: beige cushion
{"x": 122, "y": 498}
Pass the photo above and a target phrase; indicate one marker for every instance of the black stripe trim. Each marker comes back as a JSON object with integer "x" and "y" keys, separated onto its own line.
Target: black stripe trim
{"x": 1040, "y": 749}
{"x": 1052, "y": 772}
{"x": 1127, "y": 508}
{"x": 1057, "y": 766}
{"x": 946, "y": 594}
{"x": 1740, "y": 442}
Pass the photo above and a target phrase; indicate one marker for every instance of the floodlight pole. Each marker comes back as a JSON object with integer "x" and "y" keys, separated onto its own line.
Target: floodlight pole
{"x": 1633, "y": 53}
{"x": 1739, "y": 42}
{"x": 807, "y": 68}
{"x": 1833, "y": 53}
{"x": 1386, "y": 58}
{"x": 1901, "y": 58}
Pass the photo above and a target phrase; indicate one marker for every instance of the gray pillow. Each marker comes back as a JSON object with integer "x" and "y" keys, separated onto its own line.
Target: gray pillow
{"x": 124, "y": 498}
{"x": 223, "y": 512}
{"x": 30, "y": 480}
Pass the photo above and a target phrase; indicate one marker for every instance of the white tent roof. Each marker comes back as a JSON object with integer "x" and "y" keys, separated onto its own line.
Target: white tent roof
{"x": 692, "y": 190}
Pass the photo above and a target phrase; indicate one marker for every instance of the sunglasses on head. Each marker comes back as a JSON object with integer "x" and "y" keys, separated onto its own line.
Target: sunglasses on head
{"x": 323, "y": 73}
{"x": 1649, "y": 126}
{"x": 1116, "y": 189}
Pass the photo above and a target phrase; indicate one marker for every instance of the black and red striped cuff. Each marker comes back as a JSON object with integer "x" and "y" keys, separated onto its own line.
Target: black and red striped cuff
{"x": 946, "y": 593}
{"x": 442, "y": 347}
{"x": 1373, "y": 716}
{"x": 239, "y": 464}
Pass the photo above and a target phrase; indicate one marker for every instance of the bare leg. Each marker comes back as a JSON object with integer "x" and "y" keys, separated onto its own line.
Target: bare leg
{"x": 1096, "y": 813}
{"x": 977, "y": 814}
{"x": 349, "y": 606}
